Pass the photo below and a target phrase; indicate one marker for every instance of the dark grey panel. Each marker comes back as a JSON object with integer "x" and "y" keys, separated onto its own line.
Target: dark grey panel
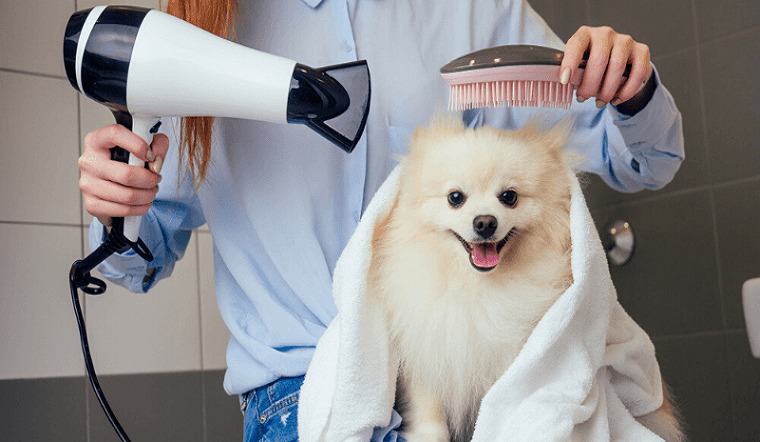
{"x": 666, "y": 27}
{"x": 737, "y": 214}
{"x": 565, "y": 19}
{"x": 670, "y": 284}
{"x": 51, "y": 409}
{"x": 678, "y": 73}
{"x": 224, "y": 422}
{"x": 720, "y": 18}
{"x": 150, "y": 407}
{"x": 695, "y": 369}
{"x": 729, "y": 69}
{"x": 744, "y": 376}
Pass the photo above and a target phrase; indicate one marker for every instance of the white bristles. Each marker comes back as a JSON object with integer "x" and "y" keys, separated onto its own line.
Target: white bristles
{"x": 512, "y": 93}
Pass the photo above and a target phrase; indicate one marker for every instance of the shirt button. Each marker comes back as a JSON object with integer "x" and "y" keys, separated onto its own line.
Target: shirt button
{"x": 347, "y": 46}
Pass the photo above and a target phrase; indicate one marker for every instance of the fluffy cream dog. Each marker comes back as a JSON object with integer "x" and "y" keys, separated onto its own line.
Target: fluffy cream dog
{"x": 475, "y": 251}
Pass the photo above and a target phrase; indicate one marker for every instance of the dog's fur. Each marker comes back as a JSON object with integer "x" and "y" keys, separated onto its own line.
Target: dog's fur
{"x": 460, "y": 311}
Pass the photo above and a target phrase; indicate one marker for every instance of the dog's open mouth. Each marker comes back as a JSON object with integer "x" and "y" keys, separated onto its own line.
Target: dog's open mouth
{"x": 484, "y": 255}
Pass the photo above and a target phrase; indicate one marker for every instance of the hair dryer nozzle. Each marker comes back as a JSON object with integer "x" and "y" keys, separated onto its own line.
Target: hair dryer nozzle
{"x": 333, "y": 101}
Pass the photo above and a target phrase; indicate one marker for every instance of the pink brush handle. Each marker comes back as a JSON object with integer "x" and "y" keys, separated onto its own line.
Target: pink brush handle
{"x": 511, "y": 73}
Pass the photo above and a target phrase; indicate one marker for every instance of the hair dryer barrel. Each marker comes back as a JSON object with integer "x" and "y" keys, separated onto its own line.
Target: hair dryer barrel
{"x": 145, "y": 62}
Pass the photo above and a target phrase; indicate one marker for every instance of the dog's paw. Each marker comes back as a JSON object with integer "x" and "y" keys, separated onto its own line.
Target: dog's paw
{"x": 427, "y": 432}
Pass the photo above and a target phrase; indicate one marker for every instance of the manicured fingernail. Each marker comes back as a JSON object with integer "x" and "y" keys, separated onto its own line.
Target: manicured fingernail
{"x": 615, "y": 101}
{"x": 160, "y": 177}
{"x": 150, "y": 155}
{"x": 157, "y": 164}
{"x": 565, "y": 78}
{"x": 600, "y": 104}
{"x": 581, "y": 99}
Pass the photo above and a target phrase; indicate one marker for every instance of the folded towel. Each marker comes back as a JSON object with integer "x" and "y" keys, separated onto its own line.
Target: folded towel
{"x": 586, "y": 371}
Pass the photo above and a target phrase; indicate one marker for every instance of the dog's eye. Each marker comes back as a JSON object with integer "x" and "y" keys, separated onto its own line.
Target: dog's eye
{"x": 456, "y": 199}
{"x": 508, "y": 198}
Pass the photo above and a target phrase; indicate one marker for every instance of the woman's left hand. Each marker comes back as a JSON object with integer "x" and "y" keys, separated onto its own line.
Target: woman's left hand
{"x": 608, "y": 54}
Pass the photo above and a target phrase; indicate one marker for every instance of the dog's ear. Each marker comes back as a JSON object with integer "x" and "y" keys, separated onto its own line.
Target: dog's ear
{"x": 558, "y": 136}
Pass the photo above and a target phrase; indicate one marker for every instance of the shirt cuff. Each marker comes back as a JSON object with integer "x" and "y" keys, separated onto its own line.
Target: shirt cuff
{"x": 650, "y": 126}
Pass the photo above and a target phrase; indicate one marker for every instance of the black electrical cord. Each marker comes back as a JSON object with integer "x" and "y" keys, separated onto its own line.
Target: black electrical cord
{"x": 80, "y": 278}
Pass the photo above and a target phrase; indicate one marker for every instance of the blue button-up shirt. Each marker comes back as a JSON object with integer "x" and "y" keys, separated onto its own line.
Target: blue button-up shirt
{"x": 281, "y": 202}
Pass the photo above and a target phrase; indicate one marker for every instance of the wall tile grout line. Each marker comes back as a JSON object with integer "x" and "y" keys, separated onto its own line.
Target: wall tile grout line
{"x": 39, "y": 224}
{"x": 35, "y": 74}
{"x": 700, "y": 334}
{"x": 200, "y": 334}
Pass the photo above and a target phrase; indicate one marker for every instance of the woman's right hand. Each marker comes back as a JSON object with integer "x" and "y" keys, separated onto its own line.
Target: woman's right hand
{"x": 115, "y": 189}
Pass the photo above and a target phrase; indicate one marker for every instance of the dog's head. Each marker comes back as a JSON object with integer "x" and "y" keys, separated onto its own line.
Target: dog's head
{"x": 479, "y": 193}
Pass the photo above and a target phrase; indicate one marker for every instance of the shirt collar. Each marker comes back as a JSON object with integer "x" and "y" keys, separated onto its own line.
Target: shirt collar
{"x": 313, "y": 3}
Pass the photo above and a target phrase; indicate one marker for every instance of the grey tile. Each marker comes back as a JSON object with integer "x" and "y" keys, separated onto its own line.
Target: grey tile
{"x": 744, "y": 377}
{"x": 669, "y": 286}
{"x": 666, "y": 27}
{"x": 695, "y": 369}
{"x": 737, "y": 211}
{"x": 224, "y": 422}
{"x": 43, "y": 409}
{"x": 731, "y": 92}
{"x": 718, "y": 19}
{"x": 563, "y": 17}
{"x": 150, "y": 407}
{"x": 679, "y": 74}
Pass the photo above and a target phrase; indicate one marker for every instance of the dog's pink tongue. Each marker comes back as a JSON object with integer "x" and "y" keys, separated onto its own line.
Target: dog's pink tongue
{"x": 484, "y": 254}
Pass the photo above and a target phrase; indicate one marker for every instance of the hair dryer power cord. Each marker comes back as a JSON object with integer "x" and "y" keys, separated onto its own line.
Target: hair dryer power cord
{"x": 80, "y": 278}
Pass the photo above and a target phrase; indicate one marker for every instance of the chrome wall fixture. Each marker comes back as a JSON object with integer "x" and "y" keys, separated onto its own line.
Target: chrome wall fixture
{"x": 619, "y": 242}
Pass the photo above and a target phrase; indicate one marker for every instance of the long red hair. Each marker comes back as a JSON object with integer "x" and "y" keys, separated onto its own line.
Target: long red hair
{"x": 217, "y": 17}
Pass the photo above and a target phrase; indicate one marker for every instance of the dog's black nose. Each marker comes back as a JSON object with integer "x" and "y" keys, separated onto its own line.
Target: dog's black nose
{"x": 485, "y": 225}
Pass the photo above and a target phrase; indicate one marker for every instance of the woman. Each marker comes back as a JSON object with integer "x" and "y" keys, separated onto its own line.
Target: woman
{"x": 281, "y": 203}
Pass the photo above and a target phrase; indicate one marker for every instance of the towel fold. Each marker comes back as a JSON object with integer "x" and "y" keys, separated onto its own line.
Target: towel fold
{"x": 585, "y": 373}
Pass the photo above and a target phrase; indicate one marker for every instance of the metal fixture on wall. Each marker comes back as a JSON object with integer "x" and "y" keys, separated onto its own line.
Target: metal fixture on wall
{"x": 619, "y": 242}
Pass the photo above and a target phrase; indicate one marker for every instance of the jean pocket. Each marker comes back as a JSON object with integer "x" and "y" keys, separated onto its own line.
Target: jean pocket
{"x": 279, "y": 423}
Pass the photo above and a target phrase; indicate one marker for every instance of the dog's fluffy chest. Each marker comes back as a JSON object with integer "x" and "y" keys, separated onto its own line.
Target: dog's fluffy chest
{"x": 456, "y": 333}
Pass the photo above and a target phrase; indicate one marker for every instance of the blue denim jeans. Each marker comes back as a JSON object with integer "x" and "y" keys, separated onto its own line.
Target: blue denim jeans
{"x": 271, "y": 414}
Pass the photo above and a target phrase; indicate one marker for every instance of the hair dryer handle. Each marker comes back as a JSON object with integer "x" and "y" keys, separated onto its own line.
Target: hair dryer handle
{"x": 144, "y": 127}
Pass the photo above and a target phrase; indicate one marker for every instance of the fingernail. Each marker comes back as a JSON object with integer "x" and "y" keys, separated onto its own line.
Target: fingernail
{"x": 616, "y": 101}
{"x": 600, "y": 104}
{"x": 160, "y": 177}
{"x": 565, "y": 78}
{"x": 157, "y": 164}
{"x": 581, "y": 99}
{"x": 150, "y": 155}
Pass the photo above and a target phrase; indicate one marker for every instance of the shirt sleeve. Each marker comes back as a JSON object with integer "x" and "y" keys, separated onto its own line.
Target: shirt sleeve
{"x": 629, "y": 153}
{"x": 165, "y": 230}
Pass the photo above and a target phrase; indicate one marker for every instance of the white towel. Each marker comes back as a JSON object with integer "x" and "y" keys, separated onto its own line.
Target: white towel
{"x": 583, "y": 375}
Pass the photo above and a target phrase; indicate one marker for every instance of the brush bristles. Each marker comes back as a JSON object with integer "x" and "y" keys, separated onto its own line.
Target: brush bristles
{"x": 550, "y": 94}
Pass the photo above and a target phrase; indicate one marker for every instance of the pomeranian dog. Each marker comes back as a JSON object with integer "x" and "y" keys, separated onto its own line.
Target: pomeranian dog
{"x": 474, "y": 252}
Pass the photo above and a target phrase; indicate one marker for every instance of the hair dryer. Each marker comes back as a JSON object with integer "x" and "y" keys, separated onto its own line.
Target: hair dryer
{"x": 144, "y": 64}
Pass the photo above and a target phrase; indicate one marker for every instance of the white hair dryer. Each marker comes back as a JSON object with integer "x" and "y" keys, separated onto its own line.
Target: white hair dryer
{"x": 144, "y": 64}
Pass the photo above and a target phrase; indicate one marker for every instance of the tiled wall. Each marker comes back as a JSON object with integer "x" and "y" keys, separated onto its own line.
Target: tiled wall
{"x": 162, "y": 354}
{"x": 697, "y": 239}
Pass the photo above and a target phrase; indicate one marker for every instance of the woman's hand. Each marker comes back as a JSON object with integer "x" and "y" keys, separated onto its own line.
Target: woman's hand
{"x": 608, "y": 55}
{"x": 115, "y": 189}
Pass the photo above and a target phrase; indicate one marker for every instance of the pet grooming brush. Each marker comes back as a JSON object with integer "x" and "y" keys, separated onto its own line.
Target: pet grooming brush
{"x": 511, "y": 75}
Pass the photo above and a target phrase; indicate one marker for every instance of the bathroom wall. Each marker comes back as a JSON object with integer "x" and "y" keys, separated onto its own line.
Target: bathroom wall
{"x": 161, "y": 355}
{"x": 697, "y": 239}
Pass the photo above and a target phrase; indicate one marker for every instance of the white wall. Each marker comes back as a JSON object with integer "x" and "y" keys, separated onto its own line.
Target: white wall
{"x": 43, "y": 228}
